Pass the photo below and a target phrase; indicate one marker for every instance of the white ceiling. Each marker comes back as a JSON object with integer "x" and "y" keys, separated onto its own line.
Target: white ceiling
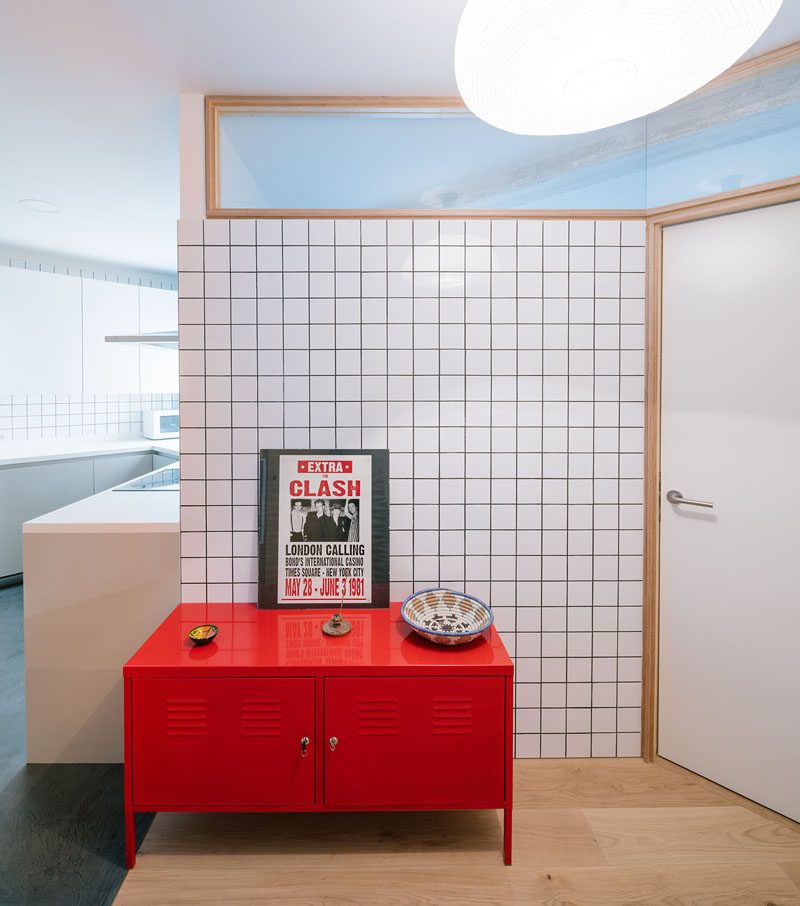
{"x": 90, "y": 88}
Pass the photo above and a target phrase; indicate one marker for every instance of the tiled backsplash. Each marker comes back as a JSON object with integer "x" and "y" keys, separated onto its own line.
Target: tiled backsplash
{"x": 501, "y": 362}
{"x": 29, "y": 417}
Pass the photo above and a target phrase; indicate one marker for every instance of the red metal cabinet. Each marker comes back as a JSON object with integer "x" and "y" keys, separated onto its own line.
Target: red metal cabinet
{"x": 439, "y": 739}
{"x": 206, "y": 741}
{"x": 221, "y": 727}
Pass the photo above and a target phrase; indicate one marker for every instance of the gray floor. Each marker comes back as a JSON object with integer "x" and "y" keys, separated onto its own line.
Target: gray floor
{"x": 62, "y": 840}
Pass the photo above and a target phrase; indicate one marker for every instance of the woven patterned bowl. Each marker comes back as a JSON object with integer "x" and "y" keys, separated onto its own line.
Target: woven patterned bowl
{"x": 446, "y": 617}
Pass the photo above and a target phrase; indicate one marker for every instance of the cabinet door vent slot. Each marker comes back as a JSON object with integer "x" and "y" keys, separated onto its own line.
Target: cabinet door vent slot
{"x": 186, "y": 717}
{"x": 261, "y": 716}
{"x": 452, "y": 716}
{"x": 378, "y": 717}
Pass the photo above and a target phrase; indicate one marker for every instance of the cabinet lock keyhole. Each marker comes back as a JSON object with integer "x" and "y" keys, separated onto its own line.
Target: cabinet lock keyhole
{"x": 333, "y": 741}
{"x": 304, "y": 747}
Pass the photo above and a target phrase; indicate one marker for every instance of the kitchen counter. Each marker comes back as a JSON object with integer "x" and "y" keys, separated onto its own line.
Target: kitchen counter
{"x": 114, "y": 511}
{"x": 100, "y": 574}
{"x": 61, "y": 481}
{"x": 14, "y": 452}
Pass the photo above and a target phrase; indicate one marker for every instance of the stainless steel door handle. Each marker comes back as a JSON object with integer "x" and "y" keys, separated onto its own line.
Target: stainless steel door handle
{"x": 677, "y": 497}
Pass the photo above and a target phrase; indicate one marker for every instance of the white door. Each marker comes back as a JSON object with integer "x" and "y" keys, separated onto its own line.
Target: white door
{"x": 729, "y": 658}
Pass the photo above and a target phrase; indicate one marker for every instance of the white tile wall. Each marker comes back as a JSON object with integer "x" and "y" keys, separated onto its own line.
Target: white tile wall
{"x": 50, "y": 415}
{"x": 502, "y": 364}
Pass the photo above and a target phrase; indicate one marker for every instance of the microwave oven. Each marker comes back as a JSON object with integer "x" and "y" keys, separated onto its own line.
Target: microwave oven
{"x": 158, "y": 424}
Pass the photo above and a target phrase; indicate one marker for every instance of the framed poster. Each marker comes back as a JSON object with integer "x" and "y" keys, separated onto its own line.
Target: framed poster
{"x": 323, "y": 529}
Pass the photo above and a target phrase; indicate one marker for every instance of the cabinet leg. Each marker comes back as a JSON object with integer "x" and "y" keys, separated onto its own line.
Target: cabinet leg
{"x": 130, "y": 839}
{"x": 507, "y": 836}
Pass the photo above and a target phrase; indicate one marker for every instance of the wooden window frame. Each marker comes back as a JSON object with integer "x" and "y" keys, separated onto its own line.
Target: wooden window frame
{"x": 217, "y": 104}
{"x": 221, "y": 104}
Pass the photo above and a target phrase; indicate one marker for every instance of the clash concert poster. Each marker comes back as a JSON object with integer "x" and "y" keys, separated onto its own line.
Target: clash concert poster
{"x": 323, "y": 529}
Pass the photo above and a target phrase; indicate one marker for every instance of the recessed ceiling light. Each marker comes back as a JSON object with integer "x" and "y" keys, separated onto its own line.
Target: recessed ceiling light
{"x": 39, "y": 206}
{"x": 559, "y": 67}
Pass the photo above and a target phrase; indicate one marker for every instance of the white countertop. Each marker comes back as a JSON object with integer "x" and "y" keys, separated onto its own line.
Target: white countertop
{"x": 113, "y": 511}
{"x": 19, "y": 452}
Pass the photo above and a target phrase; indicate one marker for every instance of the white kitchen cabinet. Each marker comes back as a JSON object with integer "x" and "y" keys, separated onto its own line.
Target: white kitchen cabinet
{"x": 28, "y": 490}
{"x": 54, "y": 328}
{"x": 40, "y": 336}
{"x": 109, "y": 308}
{"x": 32, "y": 489}
{"x": 158, "y": 310}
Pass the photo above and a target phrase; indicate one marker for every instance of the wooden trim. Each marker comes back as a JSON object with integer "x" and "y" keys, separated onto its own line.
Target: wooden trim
{"x": 776, "y": 192}
{"x": 289, "y": 100}
{"x": 212, "y": 158}
{"x": 427, "y": 213}
{"x": 748, "y": 69}
{"x": 652, "y": 490}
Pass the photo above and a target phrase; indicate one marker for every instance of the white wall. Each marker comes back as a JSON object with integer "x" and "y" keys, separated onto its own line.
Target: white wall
{"x": 502, "y": 365}
{"x": 192, "y": 126}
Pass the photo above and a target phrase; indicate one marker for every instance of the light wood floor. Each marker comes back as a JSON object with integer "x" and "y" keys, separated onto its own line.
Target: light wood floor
{"x": 588, "y": 832}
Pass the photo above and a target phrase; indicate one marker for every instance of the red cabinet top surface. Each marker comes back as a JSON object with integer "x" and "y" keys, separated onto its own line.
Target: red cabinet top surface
{"x": 252, "y": 641}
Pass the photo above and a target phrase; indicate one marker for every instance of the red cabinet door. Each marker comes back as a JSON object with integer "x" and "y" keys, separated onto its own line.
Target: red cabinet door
{"x": 414, "y": 741}
{"x": 222, "y": 741}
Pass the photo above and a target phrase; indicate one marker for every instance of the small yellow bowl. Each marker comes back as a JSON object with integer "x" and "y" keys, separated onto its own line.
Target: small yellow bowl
{"x": 202, "y": 635}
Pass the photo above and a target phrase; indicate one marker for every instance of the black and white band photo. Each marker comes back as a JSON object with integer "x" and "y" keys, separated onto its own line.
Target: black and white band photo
{"x": 324, "y": 519}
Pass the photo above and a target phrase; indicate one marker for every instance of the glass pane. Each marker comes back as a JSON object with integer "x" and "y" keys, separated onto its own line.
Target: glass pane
{"x": 439, "y": 159}
{"x": 734, "y": 137}
{"x": 724, "y": 137}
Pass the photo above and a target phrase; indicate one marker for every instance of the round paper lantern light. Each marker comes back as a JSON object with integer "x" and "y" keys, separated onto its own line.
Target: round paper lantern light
{"x": 555, "y": 67}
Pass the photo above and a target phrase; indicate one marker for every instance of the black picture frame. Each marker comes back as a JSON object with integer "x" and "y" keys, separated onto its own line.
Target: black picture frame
{"x": 270, "y": 497}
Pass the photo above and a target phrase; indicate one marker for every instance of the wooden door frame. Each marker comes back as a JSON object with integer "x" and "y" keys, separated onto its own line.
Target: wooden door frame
{"x": 778, "y": 192}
